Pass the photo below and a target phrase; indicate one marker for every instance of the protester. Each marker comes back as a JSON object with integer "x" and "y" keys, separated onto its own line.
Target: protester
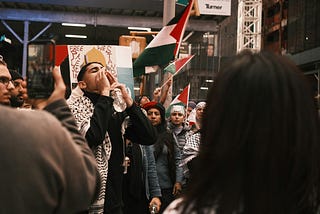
{"x": 195, "y": 116}
{"x": 160, "y": 94}
{"x": 167, "y": 155}
{"x": 177, "y": 126}
{"x": 189, "y": 152}
{"x": 191, "y": 106}
{"x": 191, "y": 147}
{"x": 143, "y": 99}
{"x": 259, "y": 150}
{"x": 141, "y": 188}
{"x": 17, "y": 94}
{"x": 46, "y": 166}
{"x": 6, "y": 85}
{"x": 103, "y": 127}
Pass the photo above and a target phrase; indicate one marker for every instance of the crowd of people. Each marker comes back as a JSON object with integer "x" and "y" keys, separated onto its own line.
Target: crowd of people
{"x": 251, "y": 147}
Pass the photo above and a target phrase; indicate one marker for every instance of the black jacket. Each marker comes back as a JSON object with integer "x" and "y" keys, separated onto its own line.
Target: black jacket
{"x": 139, "y": 130}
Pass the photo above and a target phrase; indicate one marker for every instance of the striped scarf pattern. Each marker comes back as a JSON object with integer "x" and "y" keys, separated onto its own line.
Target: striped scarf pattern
{"x": 82, "y": 109}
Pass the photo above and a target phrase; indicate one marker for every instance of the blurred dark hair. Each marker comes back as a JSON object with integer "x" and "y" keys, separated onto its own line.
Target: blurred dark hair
{"x": 142, "y": 96}
{"x": 259, "y": 150}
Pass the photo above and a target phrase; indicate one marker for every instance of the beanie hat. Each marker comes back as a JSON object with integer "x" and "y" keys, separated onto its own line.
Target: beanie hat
{"x": 15, "y": 74}
{"x": 156, "y": 105}
{"x": 191, "y": 104}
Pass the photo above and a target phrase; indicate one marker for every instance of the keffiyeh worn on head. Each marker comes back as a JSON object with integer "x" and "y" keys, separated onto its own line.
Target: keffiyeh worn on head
{"x": 201, "y": 105}
{"x": 178, "y": 108}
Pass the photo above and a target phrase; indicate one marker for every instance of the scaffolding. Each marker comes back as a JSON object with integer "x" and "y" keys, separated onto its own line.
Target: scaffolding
{"x": 249, "y": 25}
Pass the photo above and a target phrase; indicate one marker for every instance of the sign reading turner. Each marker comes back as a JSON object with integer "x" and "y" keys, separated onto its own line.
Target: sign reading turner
{"x": 215, "y": 7}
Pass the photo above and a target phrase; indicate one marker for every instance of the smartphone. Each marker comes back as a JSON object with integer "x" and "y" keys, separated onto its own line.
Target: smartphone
{"x": 40, "y": 63}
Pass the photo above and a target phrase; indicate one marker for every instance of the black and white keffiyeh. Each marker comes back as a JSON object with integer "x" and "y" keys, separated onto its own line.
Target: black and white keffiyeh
{"x": 82, "y": 109}
{"x": 191, "y": 148}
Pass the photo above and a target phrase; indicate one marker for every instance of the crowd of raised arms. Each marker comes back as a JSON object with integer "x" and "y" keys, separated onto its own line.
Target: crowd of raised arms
{"x": 251, "y": 147}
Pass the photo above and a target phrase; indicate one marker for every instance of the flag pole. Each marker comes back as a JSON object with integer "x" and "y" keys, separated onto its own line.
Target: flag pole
{"x": 170, "y": 78}
{"x": 174, "y": 74}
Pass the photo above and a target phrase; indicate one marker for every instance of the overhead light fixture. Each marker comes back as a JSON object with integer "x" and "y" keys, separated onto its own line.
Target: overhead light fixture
{"x": 76, "y": 36}
{"x": 140, "y": 28}
{"x": 209, "y": 80}
{"x": 73, "y": 25}
{"x": 136, "y": 88}
{"x": 204, "y": 88}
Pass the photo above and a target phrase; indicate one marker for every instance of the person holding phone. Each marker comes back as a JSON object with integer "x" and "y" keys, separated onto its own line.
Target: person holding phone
{"x": 103, "y": 127}
{"x": 41, "y": 152}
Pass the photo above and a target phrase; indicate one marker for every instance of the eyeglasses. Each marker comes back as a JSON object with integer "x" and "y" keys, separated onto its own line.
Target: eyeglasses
{"x": 5, "y": 81}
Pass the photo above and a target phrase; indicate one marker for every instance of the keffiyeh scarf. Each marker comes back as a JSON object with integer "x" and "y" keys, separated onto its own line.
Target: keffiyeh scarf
{"x": 82, "y": 109}
{"x": 191, "y": 148}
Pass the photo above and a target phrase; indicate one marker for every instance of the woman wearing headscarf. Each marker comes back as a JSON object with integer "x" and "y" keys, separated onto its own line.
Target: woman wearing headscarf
{"x": 191, "y": 148}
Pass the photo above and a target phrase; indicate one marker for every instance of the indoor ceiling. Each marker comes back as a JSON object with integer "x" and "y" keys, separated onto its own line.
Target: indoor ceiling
{"x": 105, "y": 20}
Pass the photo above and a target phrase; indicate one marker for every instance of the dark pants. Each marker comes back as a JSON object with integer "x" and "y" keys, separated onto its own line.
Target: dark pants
{"x": 166, "y": 199}
{"x": 116, "y": 210}
{"x": 135, "y": 205}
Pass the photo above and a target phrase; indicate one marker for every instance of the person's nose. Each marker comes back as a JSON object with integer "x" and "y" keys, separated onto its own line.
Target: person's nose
{"x": 10, "y": 86}
{"x": 20, "y": 87}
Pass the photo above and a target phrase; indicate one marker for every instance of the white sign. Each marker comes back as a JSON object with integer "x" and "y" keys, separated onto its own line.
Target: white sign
{"x": 215, "y": 7}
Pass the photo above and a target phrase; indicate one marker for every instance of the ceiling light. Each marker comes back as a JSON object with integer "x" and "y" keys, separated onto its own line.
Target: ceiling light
{"x": 140, "y": 28}
{"x": 136, "y": 88}
{"x": 209, "y": 80}
{"x": 204, "y": 88}
{"x": 73, "y": 25}
{"x": 75, "y": 36}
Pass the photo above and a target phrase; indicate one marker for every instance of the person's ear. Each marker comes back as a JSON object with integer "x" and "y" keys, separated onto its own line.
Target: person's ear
{"x": 82, "y": 84}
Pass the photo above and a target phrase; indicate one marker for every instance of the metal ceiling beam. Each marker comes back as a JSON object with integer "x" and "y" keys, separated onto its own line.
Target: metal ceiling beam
{"x": 153, "y": 5}
{"x": 99, "y": 19}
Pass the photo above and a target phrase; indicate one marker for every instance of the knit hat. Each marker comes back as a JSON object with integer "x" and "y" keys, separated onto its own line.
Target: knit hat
{"x": 156, "y": 105}
{"x": 191, "y": 104}
{"x": 15, "y": 74}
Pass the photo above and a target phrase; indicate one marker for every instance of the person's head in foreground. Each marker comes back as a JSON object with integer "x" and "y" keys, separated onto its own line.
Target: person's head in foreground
{"x": 260, "y": 144}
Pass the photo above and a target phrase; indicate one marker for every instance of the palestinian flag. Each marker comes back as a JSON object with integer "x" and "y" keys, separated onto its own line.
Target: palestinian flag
{"x": 180, "y": 99}
{"x": 164, "y": 47}
{"x": 177, "y": 65}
